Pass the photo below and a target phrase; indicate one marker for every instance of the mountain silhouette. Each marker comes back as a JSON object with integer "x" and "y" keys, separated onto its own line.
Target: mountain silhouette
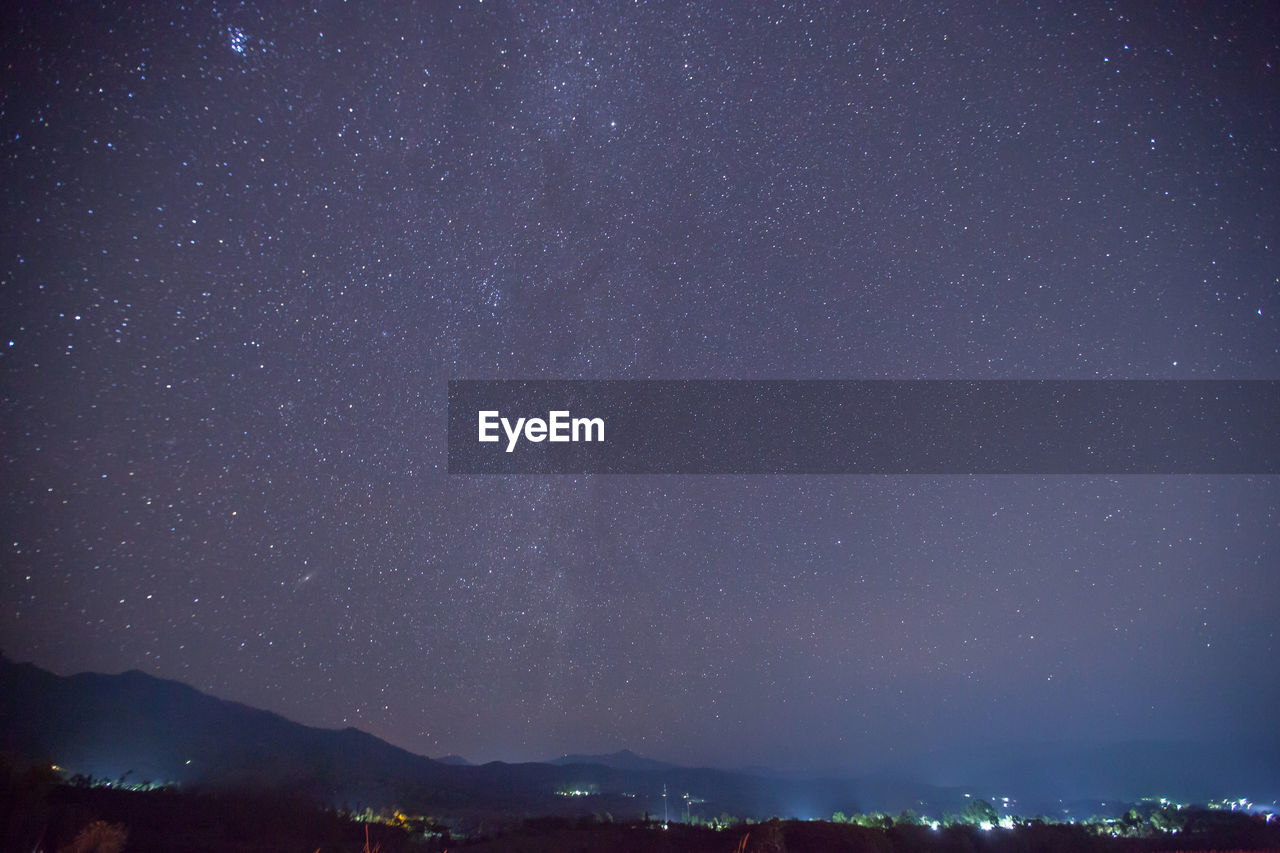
{"x": 623, "y": 759}
{"x": 137, "y": 728}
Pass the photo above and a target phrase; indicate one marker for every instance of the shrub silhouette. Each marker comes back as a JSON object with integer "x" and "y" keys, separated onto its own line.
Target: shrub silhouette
{"x": 98, "y": 837}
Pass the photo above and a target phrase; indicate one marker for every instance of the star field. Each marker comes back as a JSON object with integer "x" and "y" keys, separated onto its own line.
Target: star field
{"x": 245, "y": 248}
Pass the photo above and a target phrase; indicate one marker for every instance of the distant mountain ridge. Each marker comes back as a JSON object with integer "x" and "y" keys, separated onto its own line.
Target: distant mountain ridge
{"x": 623, "y": 759}
{"x": 139, "y": 728}
{"x": 144, "y": 728}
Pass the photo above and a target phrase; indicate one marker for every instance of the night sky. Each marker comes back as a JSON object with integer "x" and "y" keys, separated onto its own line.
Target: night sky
{"x": 244, "y": 250}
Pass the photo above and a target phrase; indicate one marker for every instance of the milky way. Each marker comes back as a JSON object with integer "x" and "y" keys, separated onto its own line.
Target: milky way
{"x": 244, "y": 250}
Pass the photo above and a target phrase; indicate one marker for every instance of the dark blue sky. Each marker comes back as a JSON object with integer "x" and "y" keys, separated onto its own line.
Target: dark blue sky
{"x": 244, "y": 250}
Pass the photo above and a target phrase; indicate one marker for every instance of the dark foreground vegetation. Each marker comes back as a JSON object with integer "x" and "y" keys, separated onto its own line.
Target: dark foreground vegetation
{"x": 40, "y": 811}
{"x": 774, "y": 836}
